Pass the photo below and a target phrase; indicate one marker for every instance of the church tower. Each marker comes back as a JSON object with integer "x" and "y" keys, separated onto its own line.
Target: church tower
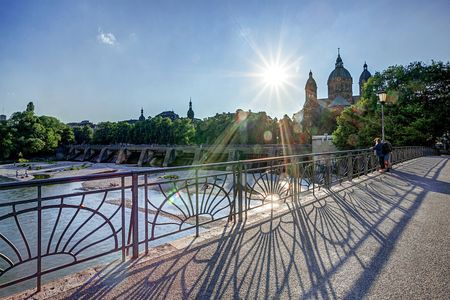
{"x": 311, "y": 108}
{"x": 310, "y": 88}
{"x": 340, "y": 83}
{"x": 190, "y": 113}
{"x": 142, "y": 118}
{"x": 365, "y": 75}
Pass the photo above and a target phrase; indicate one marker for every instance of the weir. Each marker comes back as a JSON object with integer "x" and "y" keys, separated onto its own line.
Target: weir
{"x": 169, "y": 156}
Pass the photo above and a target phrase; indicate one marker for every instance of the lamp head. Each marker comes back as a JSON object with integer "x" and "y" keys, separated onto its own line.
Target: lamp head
{"x": 382, "y": 96}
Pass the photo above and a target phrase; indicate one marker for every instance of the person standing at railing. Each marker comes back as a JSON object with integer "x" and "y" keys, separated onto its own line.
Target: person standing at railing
{"x": 386, "y": 149}
{"x": 379, "y": 153}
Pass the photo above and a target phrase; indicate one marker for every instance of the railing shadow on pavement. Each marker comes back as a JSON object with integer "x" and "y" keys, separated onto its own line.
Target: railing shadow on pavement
{"x": 304, "y": 252}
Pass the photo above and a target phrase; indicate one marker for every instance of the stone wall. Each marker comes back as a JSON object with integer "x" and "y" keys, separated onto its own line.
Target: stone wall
{"x": 322, "y": 143}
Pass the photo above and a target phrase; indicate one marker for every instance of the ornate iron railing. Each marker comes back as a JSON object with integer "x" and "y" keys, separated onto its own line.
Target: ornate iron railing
{"x": 43, "y": 230}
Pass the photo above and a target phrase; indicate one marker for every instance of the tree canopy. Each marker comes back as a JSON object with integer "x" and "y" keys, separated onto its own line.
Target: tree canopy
{"x": 416, "y": 112}
{"x": 26, "y": 134}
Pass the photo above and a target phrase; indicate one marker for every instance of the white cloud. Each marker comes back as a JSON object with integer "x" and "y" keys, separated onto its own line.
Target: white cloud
{"x": 106, "y": 38}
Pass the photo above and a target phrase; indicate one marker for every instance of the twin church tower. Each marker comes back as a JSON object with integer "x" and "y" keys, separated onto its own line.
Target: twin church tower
{"x": 340, "y": 93}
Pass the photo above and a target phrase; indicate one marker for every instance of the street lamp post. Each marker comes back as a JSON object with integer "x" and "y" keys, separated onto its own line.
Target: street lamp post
{"x": 382, "y": 97}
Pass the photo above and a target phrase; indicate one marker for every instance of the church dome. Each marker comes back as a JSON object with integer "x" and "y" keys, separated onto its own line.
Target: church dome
{"x": 339, "y": 71}
{"x": 365, "y": 75}
{"x": 311, "y": 83}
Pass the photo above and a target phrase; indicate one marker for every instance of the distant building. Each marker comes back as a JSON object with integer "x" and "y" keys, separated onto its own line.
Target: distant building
{"x": 340, "y": 94}
{"x": 2, "y": 117}
{"x": 168, "y": 114}
{"x": 81, "y": 124}
{"x": 190, "y": 113}
{"x": 142, "y": 118}
{"x": 131, "y": 121}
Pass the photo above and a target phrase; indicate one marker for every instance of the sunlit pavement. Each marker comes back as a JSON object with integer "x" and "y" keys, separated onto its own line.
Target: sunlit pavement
{"x": 385, "y": 237}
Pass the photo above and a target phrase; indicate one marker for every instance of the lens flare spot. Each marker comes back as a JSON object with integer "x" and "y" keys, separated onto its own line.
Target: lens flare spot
{"x": 267, "y": 136}
{"x": 273, "y": 197}
{"x": 241, "y": 115}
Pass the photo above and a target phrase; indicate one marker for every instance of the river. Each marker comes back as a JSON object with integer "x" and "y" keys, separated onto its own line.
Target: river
{"x": 64, "y": 233}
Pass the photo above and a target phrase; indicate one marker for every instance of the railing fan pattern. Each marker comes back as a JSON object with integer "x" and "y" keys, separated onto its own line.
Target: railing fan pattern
{"x": 43, "y": 230}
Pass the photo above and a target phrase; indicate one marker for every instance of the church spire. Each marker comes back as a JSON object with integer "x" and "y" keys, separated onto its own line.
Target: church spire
{"x": 142, "y": 118}
{"x": 190, "y": 113}
{"x": 339, "y": 62}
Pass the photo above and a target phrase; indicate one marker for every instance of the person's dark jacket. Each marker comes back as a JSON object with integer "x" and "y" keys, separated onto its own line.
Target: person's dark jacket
{"x": 379, "y": 149}
{"x": 386, "y": 148}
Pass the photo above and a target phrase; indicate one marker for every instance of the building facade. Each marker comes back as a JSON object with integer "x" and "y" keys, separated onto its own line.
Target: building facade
{"x": 340, "y": 94}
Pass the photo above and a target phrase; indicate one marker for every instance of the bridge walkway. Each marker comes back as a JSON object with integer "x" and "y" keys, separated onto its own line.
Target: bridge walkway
{"x": 385, "y": 236}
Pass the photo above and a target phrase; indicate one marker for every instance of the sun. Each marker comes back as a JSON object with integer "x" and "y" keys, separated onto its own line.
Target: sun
{"x": 275, "y": 75}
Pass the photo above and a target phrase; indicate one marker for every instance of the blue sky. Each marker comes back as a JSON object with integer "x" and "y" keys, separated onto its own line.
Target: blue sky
{"x": 104, "y": 60}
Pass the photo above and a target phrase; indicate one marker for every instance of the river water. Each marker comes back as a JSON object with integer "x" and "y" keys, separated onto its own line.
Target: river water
{"x": 89, "y": 223}
{"x": 74, "y": 230}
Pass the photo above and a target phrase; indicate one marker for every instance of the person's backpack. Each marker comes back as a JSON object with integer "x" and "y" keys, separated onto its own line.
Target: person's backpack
{"x": 386, "y": 148}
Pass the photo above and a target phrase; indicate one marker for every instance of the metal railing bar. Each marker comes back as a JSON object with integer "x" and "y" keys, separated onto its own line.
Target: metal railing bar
{"x": 316, "y": 170}
{"x": 42, "y": 182}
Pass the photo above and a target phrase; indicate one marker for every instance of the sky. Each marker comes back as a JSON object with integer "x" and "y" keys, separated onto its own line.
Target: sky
{"x": 104, "y": 60}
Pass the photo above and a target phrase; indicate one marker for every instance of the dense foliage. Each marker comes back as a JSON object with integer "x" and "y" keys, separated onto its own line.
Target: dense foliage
{"x": 26, "y": 134}
{"x": 416, "y": 113}
{"x": 226, "y": 128}
{"x": 151, "y": 131}
{"x": 247, "y": 128}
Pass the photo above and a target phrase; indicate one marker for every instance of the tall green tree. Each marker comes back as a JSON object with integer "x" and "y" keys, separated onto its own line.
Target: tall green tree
{"x": 416, "y": 112}
{"x": 7, "y": 145}
{"x": 83, "y": 134}
{"x": 30, "y": 135}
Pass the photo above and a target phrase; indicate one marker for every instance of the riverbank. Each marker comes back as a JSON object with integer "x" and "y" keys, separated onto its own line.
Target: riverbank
{"x": 60, "y": 169}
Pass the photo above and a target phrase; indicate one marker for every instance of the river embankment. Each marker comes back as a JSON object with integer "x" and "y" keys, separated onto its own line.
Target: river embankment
{"x": 60, "y": 169}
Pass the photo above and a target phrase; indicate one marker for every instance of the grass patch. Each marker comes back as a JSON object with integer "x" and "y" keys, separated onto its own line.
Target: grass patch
{"x": 169, "y": 176}
{"x": 76, "y": 168}
{"x": 41, "y": 176}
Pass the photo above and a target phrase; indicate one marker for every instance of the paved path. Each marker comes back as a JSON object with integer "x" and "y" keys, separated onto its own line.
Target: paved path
{"x": 385, "y": 237}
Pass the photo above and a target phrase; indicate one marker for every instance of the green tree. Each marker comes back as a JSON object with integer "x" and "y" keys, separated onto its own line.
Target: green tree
{"x": 416, "y": 112}
{"x": 67, "y": 136}
{"x": 122, "y": 132}
{"x": 7, "y": 144}
{"x": 104, "y": 133}
{"x": 32, "y": 135}
{"x": 83, "y": 134}
{"x": 183, "y": 131}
